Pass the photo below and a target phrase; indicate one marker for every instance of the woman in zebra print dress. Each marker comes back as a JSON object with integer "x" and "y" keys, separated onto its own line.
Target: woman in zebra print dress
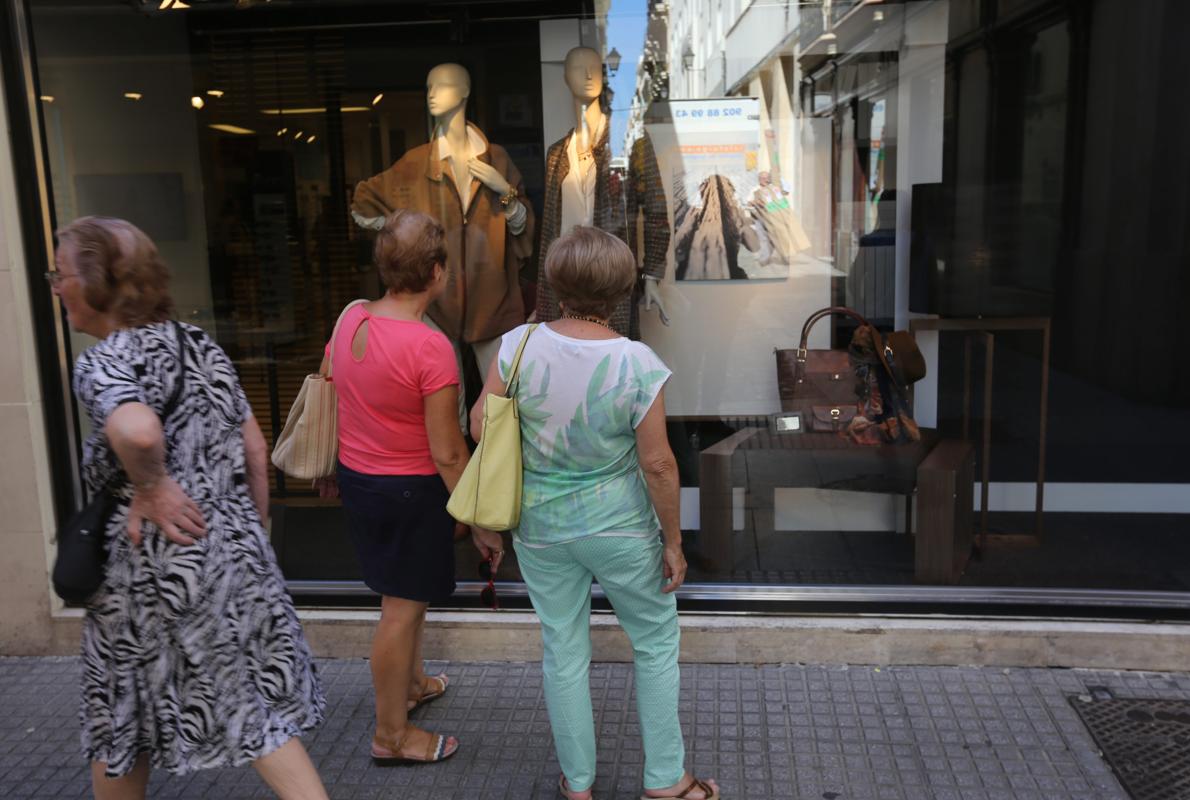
{"x": 193, "y": 656}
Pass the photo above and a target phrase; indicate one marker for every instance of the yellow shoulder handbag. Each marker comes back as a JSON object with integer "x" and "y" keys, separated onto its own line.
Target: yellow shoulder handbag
{"x": 488, "y": 495}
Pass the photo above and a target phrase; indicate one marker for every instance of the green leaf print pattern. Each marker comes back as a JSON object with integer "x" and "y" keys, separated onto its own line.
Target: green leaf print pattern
{"x": 587, "y": 470}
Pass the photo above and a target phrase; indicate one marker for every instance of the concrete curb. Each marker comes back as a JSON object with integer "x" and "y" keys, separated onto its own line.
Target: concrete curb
{"x": 739, "y": 639}
{"x": 730, "y": 639}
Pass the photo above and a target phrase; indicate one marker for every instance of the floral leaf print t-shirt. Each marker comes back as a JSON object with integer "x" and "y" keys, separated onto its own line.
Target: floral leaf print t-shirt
{"x": 580, "y": 402}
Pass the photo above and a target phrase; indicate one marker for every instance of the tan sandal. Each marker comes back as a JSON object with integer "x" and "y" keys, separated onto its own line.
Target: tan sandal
{"x": 695, "y": 783}
{"x": 564, "y": 788}
{"x": 428, "y": 697}
{"x": 436, "y": 750}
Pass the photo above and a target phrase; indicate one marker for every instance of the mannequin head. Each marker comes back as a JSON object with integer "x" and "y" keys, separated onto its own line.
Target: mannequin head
{"x": 584, "y": 74}
{"x": 447, "y": 88}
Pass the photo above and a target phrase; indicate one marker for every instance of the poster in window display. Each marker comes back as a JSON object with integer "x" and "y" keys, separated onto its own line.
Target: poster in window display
{"x": 732, "y": 221}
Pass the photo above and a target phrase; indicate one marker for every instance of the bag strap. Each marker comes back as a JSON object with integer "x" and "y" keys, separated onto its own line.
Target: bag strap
{"x": 514, "y": 371}
{"x": 821, "y": 314}
{"x": 330, "y": 367}
{"x": 799, "y": 370}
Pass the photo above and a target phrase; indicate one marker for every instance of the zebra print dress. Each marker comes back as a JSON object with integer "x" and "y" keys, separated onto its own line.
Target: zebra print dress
{"x": 193, "y": 655}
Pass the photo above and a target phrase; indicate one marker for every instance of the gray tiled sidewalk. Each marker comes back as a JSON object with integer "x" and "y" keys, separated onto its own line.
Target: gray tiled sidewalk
{"x": 818, "y": 733}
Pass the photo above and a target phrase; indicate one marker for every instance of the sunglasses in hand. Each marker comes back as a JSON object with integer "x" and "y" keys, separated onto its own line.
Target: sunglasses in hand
{"x": 488, "y": 594}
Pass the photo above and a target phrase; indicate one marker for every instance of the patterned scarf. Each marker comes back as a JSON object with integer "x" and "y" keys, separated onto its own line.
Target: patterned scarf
{"x": 883, "y": 414}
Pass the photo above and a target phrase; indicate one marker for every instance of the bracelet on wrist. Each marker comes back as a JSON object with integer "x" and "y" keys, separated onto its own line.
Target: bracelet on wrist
{"x": 509, "y": 197}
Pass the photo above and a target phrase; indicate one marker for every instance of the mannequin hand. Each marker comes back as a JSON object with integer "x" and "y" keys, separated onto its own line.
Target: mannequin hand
{"x": 653, "y": 297}
{"x": 488, "y": 176}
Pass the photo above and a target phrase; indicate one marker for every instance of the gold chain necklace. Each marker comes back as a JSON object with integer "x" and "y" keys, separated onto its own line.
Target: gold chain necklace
{"x": 584, "y": 318}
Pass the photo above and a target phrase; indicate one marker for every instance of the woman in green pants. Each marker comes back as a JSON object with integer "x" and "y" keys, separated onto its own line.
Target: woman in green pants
{"x": 600, "y": 485}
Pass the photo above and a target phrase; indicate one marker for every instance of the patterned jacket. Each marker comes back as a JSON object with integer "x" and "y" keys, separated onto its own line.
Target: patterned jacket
{"x": 617, "y": 206}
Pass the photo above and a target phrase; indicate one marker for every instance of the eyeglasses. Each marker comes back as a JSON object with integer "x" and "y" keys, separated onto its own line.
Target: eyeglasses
{"x": 488, "y": 595}
{"x": 55, "y": 277}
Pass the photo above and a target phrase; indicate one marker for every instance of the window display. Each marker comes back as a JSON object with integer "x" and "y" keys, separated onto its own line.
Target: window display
{"x": 892, "y": 161}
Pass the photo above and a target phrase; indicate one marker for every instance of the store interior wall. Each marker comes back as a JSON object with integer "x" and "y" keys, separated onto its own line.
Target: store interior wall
{"x": 111, "y": 155}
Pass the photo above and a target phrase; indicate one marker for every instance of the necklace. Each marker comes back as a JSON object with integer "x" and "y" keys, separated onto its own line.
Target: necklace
{"x": 585, "y": 318}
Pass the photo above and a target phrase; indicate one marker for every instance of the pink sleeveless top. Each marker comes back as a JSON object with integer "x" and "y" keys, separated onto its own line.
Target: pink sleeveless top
{"x": 382, "y": 421}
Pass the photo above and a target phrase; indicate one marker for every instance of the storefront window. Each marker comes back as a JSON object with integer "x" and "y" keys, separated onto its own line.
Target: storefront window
{"x": 975, "y": 198}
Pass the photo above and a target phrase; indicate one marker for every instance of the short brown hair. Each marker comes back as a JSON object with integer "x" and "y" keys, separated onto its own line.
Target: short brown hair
{"x": 591, "y": 271}
{"x": 120, "y": 269}
{"x": 406, "y": 250}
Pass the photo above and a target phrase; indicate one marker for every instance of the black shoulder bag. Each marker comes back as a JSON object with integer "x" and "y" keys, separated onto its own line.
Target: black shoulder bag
{"x": 82, "y": 552}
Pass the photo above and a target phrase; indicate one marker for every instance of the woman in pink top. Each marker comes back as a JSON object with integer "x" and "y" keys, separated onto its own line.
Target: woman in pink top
{"x": 400, "y": 455}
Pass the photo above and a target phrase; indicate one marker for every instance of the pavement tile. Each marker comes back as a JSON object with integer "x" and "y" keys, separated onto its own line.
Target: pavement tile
{"x": 789, "y": 731}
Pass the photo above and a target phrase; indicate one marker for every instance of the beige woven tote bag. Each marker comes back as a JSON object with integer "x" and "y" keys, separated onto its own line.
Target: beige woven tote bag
{"x": 308, "y": 447}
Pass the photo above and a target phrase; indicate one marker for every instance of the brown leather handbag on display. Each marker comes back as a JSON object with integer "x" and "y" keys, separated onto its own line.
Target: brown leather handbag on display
{"x": 825, "y": 385}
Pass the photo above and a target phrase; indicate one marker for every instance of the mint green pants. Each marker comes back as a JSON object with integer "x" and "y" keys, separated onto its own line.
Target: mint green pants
{"x": 559, "y": 583}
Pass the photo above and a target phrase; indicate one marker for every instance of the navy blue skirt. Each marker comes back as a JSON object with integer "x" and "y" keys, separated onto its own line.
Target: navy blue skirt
{"x": 403, "y": 536}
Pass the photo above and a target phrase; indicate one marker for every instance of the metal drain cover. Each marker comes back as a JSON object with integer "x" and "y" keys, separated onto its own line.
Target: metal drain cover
{"x": 1146, "y": 742}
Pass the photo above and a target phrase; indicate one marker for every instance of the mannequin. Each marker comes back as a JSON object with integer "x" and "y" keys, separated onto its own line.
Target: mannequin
{"x": 580, "y": 189}
{"x": 474, "y": 190}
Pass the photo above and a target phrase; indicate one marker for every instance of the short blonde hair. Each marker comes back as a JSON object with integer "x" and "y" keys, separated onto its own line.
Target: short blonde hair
{"x": 120, "y": 269}
{"x": 590, "y": 271}
{"x": 407, "y": 248}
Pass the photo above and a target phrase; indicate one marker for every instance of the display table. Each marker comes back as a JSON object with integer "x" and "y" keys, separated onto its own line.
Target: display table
{"x": 762, "y": 461}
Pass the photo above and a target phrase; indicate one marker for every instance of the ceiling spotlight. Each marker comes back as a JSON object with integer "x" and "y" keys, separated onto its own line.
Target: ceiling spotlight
{"x": 197, "y": 102}
{"x": 297, "y": 135}
{"x": 285, "y": 112}
{"x": 377, "y": 98}
{"x": 283, "y": 131}
{"x": 232, "y": 129}
{"x": 311, "y": 139}
{"x": 47, "y": 98}
{"x": 215, "y": 92}
{"x": 133, "y": 95}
